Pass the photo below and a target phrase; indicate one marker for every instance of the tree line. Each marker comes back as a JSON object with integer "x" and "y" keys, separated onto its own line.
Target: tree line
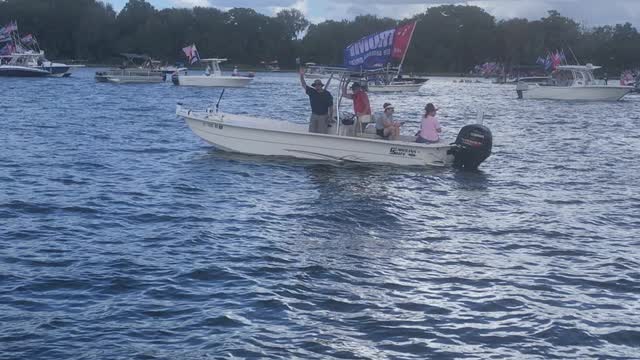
{"x": 448, "y": 38}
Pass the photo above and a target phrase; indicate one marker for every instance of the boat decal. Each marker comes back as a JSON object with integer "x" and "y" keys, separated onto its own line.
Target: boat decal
{"x": 402, "y": 151}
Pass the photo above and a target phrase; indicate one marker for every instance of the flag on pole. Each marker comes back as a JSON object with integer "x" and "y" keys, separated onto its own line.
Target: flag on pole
{"x": 28, "y": 39}
{"x": 8, "y": 29}
{"x": 192, "y": 54}
{"x": 7, "y": 49}
{"x": 401, "y": 40}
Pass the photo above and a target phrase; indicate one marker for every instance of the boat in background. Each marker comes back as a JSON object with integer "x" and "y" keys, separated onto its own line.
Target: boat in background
{"x": 572, "y": 82}
{"x": 212, "y": 77}
{"x": 21, "y": 56}
{"x": 373, "y": 56}
{"x": 390, "y": 80}
{"x": 272, "y": 66}
{"x": 136, "y": 69}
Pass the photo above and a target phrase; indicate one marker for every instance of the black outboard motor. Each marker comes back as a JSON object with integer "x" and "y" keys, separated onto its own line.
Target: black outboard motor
{"x": 174, "y": 78}
{"x": 472, "y": 146}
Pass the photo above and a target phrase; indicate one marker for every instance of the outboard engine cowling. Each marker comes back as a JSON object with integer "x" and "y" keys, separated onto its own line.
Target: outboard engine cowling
{"x": 472, "y": 146}
{"x": 174, "y": 79}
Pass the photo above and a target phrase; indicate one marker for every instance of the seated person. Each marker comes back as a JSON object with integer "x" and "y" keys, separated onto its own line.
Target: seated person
{"x": 430, "y": 127}
{"x": 385, "y": 125}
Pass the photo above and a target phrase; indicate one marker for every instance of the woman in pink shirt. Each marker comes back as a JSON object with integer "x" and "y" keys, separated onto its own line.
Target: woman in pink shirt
{"x": 430, "y": 128}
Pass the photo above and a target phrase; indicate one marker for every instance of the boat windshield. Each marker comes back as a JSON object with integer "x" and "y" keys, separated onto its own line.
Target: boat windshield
{"x": 563, "y": 78}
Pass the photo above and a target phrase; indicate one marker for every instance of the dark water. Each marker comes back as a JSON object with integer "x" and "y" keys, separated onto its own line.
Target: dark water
{"x": 124, "y": 236}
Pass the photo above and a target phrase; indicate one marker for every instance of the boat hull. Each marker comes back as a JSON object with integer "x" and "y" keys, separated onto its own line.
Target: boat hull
{"x": 211, "y": 81}
{"x": 257, "y": 136}
{"x": 395, "y": 87}
{"x": 576, "y": 93}
{"x": 130, "y": 76}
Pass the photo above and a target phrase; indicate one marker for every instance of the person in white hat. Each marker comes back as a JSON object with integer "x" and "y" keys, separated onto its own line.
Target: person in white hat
{"x": 386, "y": 126}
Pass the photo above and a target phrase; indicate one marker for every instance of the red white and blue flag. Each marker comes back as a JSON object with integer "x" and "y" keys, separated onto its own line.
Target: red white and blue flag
{"x": 28, "y": 39}
{"x": 7, "y": 49}
{"x": 376, "y": 50}
{"x": 8, "y": 29}
{"x": 192, "y": 54}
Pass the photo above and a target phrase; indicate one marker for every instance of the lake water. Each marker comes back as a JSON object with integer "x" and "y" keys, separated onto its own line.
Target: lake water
{"x": 124, "y": 236}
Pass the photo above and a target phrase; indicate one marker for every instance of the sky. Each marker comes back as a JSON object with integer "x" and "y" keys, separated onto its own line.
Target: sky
{"x": 587, "y": 12}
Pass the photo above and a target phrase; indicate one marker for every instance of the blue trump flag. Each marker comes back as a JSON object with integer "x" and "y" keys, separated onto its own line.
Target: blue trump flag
{"x": 371, "y": 51}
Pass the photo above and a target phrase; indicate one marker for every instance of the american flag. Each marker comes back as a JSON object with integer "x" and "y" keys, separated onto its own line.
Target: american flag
{"x": 192, "y": 53}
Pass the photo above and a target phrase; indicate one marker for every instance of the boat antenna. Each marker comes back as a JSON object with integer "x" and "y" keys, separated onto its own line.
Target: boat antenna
{"x": 220, "y": 98}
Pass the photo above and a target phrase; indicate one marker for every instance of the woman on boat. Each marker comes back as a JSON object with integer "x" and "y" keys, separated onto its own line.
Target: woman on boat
{"x": 430, "y": 127}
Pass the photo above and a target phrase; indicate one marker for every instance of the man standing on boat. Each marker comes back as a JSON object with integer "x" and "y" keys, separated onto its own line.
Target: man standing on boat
{"x": 361, "y": 106}
{"x": 321, "y": 105}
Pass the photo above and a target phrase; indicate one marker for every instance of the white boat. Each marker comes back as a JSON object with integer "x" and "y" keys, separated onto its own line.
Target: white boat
{"x": 397, "y": 85}
{"x": 267, "y": 137}
{"x": 31, "y": 64}
{"x": 212, "y": 78}
{"x": 573, "y": 82}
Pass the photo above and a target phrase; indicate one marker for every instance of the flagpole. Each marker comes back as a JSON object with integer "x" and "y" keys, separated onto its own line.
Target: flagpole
{"x": 574, "y": 56}
{"x": 415, "y": 25}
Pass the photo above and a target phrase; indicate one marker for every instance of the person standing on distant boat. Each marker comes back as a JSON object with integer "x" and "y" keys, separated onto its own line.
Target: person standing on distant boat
{"x": 361, "y": 105}
{"x": 321, "y": 105}
{"x": 430, "y": 127}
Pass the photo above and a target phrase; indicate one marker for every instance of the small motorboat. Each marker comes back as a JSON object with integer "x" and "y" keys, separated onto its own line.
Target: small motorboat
{"x": 212, "y": 77}
{"x": 572, "y": 82}
{"x": 268, "y": 137}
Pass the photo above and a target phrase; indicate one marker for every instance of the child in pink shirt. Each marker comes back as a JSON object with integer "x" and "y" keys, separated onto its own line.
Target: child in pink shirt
{"x": 430, "y": 128}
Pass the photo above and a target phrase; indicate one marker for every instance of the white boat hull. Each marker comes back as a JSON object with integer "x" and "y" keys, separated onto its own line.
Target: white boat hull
{"x": 394, "y": 87}
{"x": 578, "y": 93}
{"x": 259, "y": 136}
{"x": 211, "y": 81}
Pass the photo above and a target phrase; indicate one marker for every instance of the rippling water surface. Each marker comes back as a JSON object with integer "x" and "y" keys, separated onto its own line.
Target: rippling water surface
{"x": 124, "y": 236}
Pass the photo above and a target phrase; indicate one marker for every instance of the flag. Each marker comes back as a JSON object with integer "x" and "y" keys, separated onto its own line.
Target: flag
{"x": 547, "y": 62}
{"x": 376, "y": 50}
{"x": 555, "y": 60}
{"x": 540, "y": 60}
{"x": 401, "y": 40}
{"x": 192, "y": 54}
{"x": 7, "y": 49}
{"x": 8, "y": 29}
{"x": 562, "y": 57}
{"x": 4, "y": 38}
{"x": 28, "y": 39}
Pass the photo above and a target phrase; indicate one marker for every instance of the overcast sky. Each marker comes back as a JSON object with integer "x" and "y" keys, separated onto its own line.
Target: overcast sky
{"x": 587, "y": 12}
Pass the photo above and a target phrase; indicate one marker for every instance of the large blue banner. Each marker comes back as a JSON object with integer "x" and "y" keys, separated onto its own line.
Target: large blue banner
{"x": 370, "y": 52}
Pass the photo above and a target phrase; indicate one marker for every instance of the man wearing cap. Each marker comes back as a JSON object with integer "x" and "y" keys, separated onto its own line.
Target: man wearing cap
{"x": 385, "y": 125}
{"x": 361, "y": 105}
{"x": 321, "y": 105}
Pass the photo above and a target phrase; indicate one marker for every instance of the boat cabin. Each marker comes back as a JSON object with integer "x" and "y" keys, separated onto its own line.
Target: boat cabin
{"x": 574, "y": 75}
{"x": 213, "y": 66}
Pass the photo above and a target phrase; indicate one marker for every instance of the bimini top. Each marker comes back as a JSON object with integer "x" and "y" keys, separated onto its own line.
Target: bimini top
{"x": 588, "y": 67}
{"x": 214, "y": 60}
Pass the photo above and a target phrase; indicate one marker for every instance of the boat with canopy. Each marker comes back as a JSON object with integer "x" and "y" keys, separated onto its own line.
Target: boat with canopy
{"x": 136, "y": 69}
{"x": 572, "y": 82}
